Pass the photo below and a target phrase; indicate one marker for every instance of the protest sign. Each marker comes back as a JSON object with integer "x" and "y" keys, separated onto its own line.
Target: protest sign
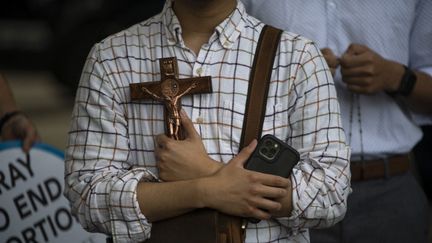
{"x": 33, "y": 208}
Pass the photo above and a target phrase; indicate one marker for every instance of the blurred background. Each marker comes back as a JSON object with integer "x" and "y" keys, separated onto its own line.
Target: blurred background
{"x": 43, "y": 46}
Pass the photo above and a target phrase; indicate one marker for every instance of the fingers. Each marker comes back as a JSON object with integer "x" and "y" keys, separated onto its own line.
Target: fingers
{"x": 188, "y": 125}
{"x": 269, "y": 191}
{"x": 244, "y": 154}
{"x": 162, "y": 142}
{"x": 262, "y": 206}
{"x": 358, "y": 81}
{"x": 30, "y": 138}
{"x": 356, "y": 49}
{"x": 20, "y": 127}
{"x": 327, "y": 52}
{"x": 356, "y": 55}
{"x": 354, "y": 60}
{"x": 361, "y": 71}
{"x": 330, "y": 58}
{"x": 267, "y": 205}
{"x": 270, "y": 180}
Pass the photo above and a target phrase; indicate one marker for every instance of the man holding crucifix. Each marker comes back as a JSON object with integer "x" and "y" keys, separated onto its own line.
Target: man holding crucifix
{"x": 123, "y": 173}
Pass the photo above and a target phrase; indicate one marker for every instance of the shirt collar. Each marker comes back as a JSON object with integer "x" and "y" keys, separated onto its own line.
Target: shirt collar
{"x": 171, "y": 24}
{"x": 228, "y": 31}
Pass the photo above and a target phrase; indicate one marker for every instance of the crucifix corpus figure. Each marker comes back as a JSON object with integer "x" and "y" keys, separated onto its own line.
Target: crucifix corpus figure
{"x": 169, "y": 91}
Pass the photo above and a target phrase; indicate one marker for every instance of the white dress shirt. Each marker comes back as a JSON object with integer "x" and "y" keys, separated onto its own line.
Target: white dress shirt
{"x": 398, "y": 30}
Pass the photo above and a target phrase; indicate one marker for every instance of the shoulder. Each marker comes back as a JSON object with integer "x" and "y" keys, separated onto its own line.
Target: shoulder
{"x": 296, "y": 48}
{"x": 294, "y": 41}
{"x": 130, "y": 39}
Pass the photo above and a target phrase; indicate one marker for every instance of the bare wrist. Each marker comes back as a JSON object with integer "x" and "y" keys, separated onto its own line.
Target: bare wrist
{"x": 215, "y": 166}
{"x": 203, "y": 195}
{"x": 395, "y": 81}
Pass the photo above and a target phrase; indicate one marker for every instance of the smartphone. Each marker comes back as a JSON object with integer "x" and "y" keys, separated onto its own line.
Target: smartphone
{"x": 272, "y": 156}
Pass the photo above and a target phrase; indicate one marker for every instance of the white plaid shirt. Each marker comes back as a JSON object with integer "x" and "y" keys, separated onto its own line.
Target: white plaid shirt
{"x": 111, "y": 140}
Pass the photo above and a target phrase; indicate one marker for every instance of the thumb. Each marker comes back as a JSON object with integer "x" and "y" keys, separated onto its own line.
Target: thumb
{"x": 188, "y": 126}
{"x": 350, "y": 53}
{"x": 330, "y": 57}
{"x": 244, "y": 154}
{"x": 355, "y": 49}
{"x": 27, "y": 143}
{"x": 30, "y": 138}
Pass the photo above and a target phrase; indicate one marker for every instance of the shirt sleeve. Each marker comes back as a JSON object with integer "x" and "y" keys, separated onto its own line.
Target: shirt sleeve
{"x": 421, "y": 38}
{"x": 99, "y": 181}
{"x": 420, "y": 49}
{"x": 321, "y": 179}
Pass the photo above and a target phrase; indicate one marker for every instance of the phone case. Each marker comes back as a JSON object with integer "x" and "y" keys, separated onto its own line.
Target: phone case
{"x": 273, "y": 156}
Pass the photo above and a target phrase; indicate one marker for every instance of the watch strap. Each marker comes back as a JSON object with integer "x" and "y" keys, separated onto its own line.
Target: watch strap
{"x": 407, "y": 83}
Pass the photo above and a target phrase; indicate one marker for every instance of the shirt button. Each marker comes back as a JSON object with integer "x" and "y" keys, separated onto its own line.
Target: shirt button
{"x": 226, "y": 44}
{"x": 199, "y": 71}
{"x": 200, "y": 120}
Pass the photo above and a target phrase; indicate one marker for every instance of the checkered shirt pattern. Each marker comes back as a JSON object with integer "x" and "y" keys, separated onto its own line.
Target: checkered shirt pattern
{"x": 111, "y": 139}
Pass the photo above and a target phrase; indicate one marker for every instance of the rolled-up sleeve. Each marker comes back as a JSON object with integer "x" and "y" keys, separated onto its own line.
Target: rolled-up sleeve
{"x": 99, "y": 181}
{"x": 321, "y": 179}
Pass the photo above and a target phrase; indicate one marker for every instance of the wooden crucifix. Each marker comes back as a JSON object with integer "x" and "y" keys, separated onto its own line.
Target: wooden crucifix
{"x": 169, "y": 90}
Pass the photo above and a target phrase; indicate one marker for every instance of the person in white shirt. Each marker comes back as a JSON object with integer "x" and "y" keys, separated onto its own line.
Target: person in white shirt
{"x": 380, "y": 53}
{"x": 117, "y": 152}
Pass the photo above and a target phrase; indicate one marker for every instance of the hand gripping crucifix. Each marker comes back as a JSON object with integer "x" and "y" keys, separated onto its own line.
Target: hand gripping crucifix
{"x": 169, "y": 91}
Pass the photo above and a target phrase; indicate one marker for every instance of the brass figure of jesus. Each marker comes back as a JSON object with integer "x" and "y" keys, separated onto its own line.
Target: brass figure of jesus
{"x": 170, "y": 98}
{"x": 169, "y": 90}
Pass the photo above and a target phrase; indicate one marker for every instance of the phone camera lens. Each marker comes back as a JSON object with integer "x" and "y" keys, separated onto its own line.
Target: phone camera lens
{"x": 268, "y": 143}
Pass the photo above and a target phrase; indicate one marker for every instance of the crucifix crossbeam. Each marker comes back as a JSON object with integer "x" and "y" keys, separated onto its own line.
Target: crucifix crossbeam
{"x": 169, "y": 90}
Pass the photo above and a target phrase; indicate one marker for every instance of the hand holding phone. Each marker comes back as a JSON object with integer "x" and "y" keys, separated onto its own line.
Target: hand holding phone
{"x": 272, "y": 156}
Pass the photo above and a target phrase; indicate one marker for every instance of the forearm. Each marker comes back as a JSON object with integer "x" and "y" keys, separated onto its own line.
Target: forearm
{"x": 419, "y": 99}
{"x": 7, "y": 102}
{"x": 319, "y": 194}
{"x": 104, "y": 200}
{"x": 160, "y": 201}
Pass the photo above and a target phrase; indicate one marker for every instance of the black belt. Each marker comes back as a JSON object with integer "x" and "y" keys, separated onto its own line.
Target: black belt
{"x": 379, "y": 168}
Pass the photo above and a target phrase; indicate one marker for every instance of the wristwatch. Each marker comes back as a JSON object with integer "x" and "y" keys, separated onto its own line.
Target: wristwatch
{"x": 407, "y": 83}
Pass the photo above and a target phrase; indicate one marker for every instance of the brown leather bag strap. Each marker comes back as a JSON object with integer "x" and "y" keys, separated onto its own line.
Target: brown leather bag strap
{"x": 259, "y": 83}
{"x": 199, "y": 225}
